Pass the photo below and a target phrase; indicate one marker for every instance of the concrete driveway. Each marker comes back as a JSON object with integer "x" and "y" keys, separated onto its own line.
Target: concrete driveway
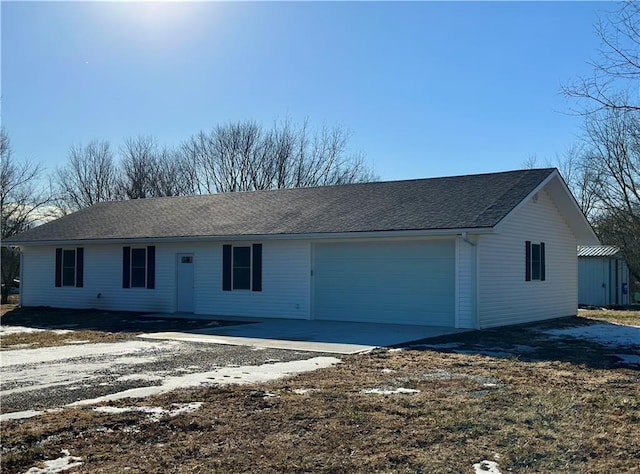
{"x": 304, "y": 335}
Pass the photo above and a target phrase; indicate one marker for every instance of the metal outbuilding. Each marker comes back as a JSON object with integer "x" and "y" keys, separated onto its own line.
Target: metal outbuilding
{"x": 603, "y": 276}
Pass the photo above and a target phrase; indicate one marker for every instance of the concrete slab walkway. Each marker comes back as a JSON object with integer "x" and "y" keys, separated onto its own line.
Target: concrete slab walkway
{"x": 317, "y": 336}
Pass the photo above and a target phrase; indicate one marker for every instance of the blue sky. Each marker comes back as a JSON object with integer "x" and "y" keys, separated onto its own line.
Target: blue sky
{"x": 427, "y": 89}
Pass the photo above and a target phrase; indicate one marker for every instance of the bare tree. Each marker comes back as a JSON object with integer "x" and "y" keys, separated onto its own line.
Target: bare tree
{"x": 606, "y": 171}
{"x": 613, "y": 83}
{"x": 580, "y": 178}
{"x": 172, "y": 176}
{"x": 244, "y": 156}
{"x": 89, "y": 177}
{"x": 138, "y": 167}
{"x": 23, "y": 202}
{"x": 612, "y": 160}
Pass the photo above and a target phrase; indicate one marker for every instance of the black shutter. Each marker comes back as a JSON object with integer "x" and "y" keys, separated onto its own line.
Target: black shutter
{"x": 226, "y": 268}
{"x": 58, "y": 267}
{"x": 79, "y": 267}
{"x": 151, "y": 267}
{"x": 542, "y": 270}
{"x": 256, "y": 268}
{"x": 126, "y": 267}
{"x": 527, "y": 265}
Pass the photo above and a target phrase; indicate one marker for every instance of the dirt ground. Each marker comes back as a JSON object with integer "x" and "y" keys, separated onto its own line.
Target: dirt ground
{"x": 531, "y": 398}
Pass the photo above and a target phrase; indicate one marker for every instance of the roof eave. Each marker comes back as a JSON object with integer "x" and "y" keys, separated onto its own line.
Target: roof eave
{"x": 228, "y": 238}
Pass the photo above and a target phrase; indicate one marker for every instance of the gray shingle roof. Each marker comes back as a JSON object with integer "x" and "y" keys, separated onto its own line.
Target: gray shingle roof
{"x": 460, "y": 202}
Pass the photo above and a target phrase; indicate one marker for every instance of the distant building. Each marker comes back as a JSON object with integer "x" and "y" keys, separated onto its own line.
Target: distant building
{"x": 603, "y": 276}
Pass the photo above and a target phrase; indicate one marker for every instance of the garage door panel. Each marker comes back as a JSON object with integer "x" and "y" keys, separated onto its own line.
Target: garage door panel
{"x": 407, "y": 282}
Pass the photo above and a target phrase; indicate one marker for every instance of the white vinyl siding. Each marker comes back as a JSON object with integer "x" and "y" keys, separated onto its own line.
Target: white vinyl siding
{"x": 285, "y": 283}
{"x": 403, "y": 282}
{"x": 285, "y": 294}
{"x": 466, "y": 316}
{"x": 505, "y": 296}
{"x": 102, "y": 276}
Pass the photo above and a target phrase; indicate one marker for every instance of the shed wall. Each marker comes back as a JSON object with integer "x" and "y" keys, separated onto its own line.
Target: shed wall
{"x": 601, "y": 281}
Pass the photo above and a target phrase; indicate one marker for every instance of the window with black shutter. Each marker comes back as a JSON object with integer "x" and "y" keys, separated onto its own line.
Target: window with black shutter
{"x": 69, "y": 267}
{"x": 139, "y": 267}
{"x": 535, "y": 261}
{"x": 242, "y": 267}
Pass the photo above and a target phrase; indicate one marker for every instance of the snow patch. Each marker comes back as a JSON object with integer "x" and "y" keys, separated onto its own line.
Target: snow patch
{"x": 19, "y": 415}
{"x": 155, "y": 413}
{"x": 61, "y": 464}
{"x": 26, "y": 370}
{"x": 607, "y": 334}
{"x": 303, "y": 391}
{"x": 389, "y": 391}
{"x": 486, "y": 467}
{"x": 71, "y": 341}
{"x": 6, "y": 330}
{"x": 148, "y": 377}
{"x": 65, "y": 353}
{"x": 249, "y": 374}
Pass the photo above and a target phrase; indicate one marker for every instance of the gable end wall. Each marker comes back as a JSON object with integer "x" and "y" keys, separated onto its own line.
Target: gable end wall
{"x": 504, "y": 295}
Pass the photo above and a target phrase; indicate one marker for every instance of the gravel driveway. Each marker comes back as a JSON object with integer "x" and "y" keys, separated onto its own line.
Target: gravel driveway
{"x": 51, "y": 377}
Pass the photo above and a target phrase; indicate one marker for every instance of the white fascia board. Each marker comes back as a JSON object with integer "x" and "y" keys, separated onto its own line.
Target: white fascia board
{"x": 235, "y": 238}
{"x": 566, "y": 204}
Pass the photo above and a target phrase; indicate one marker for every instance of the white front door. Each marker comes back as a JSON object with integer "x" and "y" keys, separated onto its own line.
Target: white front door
{"x": 184, "y": 300}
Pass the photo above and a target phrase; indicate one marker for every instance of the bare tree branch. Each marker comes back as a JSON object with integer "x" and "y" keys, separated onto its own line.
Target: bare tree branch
{"x": 613, "y": 84}
{"x": 23, "y": 203}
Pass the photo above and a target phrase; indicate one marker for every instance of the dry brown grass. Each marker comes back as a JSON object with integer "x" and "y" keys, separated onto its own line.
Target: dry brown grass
{"x": 629, "y": 317}
{"x": 566, "y": 407}
{"x": 86, "y": 325}
{"x": 538, "y": 417}
{"x": 13, "y": 302}
{"x": 34, "y": 340}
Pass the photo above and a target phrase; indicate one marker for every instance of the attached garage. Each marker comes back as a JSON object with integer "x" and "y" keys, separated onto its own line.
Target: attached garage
{"x": 407, "y": 282}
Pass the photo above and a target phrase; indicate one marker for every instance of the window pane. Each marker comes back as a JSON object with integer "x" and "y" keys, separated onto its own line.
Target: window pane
{"x": 241, "y": 278}
{"x": 241, "y": 256}
{"x": 535, "y": 261}
{"x": 68, "y": 268}
{"x": 137, "y": 277}
{"x": 138, "y": 268}
{"x": 69, "y": 258}
{"x": 242, "y": 268}
{"x": 138, "y": 257}
{"x": 69, "y": 276}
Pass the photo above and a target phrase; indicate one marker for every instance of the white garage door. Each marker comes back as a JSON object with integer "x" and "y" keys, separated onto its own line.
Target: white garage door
{"x": 387, "y": 282}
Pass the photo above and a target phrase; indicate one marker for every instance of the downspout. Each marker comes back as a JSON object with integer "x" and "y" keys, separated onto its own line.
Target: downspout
{"x": 465, "y": 237}
{"x": 476, "y": 296}
{"x": 21, "y": 276}
{"x": 617, "y": 282}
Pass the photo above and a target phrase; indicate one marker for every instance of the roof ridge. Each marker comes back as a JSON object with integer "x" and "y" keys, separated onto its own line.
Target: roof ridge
{"x": 323, "y": 186}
